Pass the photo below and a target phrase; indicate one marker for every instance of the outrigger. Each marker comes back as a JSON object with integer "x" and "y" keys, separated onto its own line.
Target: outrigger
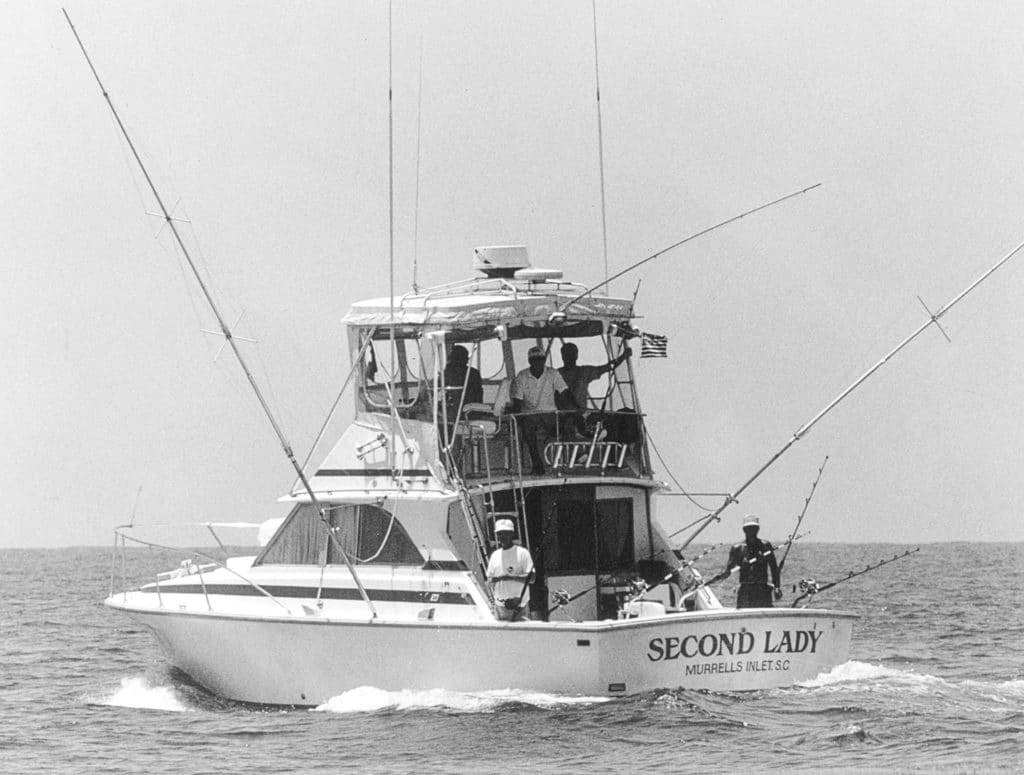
{"x": 377, "y": 574}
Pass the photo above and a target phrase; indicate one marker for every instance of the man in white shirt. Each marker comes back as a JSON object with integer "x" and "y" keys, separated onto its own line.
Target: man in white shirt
{"x": 510, "y": 571}
{"x": 533, "y": 391}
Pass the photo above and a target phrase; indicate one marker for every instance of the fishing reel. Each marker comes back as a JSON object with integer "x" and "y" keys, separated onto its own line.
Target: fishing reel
{"x": 808, "y": 587}
{"x": 560, "y": 597}
{"x": 637, "y": 587}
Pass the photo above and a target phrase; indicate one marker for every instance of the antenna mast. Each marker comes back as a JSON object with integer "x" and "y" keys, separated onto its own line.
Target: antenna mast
{"x": 416, "y": 215}
{"x": 391, "y": 248}
{"x": 600, "y": 150}
{"x": 221, "y": 322}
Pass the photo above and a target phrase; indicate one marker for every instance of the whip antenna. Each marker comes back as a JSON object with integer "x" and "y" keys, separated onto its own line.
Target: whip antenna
{"x": 600, "y": 149}
{"x": 391, "y": 244}
{"x": 416, "y": 208}
{"x": 222, "y": 323}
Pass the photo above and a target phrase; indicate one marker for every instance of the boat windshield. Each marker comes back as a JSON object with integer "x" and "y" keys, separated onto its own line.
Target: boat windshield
{"x": 367, "y": 533}
{"x": 464, "y": 384}
{"x": 403, "y": 375}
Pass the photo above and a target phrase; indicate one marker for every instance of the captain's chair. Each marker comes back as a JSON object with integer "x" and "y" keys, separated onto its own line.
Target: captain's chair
{"x": 485, "y": 419}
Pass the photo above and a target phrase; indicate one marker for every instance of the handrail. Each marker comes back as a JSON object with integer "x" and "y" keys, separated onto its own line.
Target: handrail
{"x": 118, "y": 533}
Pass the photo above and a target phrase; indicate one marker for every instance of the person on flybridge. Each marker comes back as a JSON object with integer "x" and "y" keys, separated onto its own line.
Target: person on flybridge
{"x": 578, "y": 377}
{"x": 755, "y": 558}
{"x": 534, "y": 390}
{"x": 461, "y": 381}
{"x": 509, "y": 572}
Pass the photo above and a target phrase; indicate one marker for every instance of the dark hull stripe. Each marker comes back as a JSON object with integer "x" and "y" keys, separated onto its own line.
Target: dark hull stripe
{"x": 309, "y": 593}
{"x": 411, "y": 473}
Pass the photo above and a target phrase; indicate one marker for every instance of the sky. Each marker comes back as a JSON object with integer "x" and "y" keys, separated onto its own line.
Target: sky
{"x": 265, "y": 126}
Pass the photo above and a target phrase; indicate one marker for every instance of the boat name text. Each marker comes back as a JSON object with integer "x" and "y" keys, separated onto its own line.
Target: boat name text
{"x": 734, "y": 643}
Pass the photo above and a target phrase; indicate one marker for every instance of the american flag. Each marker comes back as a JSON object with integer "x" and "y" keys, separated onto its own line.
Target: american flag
{"x": 653, "y": 346}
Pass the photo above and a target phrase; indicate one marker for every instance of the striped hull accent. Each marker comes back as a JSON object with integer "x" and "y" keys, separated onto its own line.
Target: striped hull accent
{"x": 409, "y": 473}
{"x": 327, "y": 593}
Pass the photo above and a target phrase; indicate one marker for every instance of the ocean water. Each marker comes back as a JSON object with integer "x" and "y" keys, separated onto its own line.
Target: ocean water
{"x": 935, "y": 682}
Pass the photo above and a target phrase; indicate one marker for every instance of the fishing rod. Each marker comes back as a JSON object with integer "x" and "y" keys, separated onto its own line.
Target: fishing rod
{"x": 562, "y": 598}
{"x": 641, "y": 587}
{"x": 810, "y": 587}
{"x": 804, "y": 429}
{"x": 224, "y": 328}
{"x": 531, "y": 576}
{"x": 708, "y": 230}
{"x": 800, "y": 519}
{"x": 522, "y": 593}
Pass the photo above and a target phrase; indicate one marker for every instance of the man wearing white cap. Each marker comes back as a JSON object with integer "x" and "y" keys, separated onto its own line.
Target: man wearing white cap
{"x": 534, "y": 390}
{"x": 755, "y": 558}
{"x": 510, "y": 571}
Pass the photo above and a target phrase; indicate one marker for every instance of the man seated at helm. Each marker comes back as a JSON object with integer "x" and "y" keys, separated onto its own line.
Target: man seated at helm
{"x": 534, "y": 390}
{"x": 509, "y": 572}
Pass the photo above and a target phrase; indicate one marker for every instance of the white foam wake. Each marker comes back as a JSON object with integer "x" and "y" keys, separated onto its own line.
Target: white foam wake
{"x": 137, "y": 693}
{"x": 857, "y": 672}
{"x": 1000, "y": 691}
{"x": 861, "y": 676}
{"x": 367, "y": 699}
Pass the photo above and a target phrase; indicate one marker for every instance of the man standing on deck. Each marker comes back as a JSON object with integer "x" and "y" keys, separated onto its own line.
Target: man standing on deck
{"x": 510, "y": 571}
{"x": 754, "y": 558}
{"x": 533, "y": 391}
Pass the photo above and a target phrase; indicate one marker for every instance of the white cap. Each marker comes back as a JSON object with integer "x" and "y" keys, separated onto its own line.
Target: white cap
{"x": 504, "y": 526}
{"x": 751, "y": 521}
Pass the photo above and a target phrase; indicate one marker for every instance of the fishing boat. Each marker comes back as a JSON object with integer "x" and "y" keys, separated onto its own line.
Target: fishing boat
{"x": 378, "y": 574}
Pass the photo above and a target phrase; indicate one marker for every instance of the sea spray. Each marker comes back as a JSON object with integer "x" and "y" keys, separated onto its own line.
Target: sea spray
{"x": 368, "y": 699}
{"x": 137, "y": 693}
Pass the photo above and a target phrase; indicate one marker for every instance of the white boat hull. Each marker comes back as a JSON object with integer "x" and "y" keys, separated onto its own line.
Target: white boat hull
{"x": 307, "y": 660}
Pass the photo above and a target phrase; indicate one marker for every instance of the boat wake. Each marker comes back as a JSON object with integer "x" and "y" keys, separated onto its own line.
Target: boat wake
{"x": 862, "y": 676}
{"x": 854, "y": 672}
{"x": 368, "y": 699}
{"x": 137, "y": 692}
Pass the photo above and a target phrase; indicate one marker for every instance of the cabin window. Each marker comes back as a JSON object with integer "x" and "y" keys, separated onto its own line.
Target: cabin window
{"x": 367, "y": 533}
{"x": 299, "y": 541}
